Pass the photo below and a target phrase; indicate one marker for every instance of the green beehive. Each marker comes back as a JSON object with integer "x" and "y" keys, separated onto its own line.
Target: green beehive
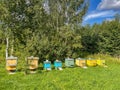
{"x": 69, "y": 62}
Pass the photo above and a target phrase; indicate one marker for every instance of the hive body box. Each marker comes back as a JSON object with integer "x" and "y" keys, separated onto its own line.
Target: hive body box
{"x": 32, "y": 62}
{"x": 91, "y": 62}
{"x": 101, "y": 62}
{"x": 47, "y": 65}
{"x": 11, "y": 64}
{"x": 69, "y": 62}
{"x": 80, "y": 62}
{"x": 57, "y": 64}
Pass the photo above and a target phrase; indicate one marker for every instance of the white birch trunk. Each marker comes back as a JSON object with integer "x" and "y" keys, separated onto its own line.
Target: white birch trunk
{"x": 7, "y": 42}
{"x": 12, "y": 50}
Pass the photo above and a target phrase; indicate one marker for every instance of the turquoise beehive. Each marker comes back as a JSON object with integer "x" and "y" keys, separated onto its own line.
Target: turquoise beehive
{"x": 58, "y": 65}
{"x": 47, "y": 65}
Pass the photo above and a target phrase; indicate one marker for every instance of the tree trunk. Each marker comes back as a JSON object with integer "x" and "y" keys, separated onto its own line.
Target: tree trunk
{"x": 12, "y": 48}
{"x": 7, "y": 42}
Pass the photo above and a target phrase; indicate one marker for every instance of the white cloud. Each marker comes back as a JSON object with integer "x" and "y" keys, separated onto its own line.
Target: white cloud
{"x": 109, "y": 4}
{"x": 109, "y": 19}
{"x": 101, "y": 14}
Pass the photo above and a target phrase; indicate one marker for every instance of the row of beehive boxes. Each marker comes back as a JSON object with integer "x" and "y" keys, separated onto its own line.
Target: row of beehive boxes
{"x": 32, "y": 62}
{"x": 11, "y": 63}
{"x": 84, "y": 62}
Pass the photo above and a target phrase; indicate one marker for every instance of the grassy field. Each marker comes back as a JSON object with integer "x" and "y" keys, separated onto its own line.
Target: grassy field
{"x": 92, "y": 78}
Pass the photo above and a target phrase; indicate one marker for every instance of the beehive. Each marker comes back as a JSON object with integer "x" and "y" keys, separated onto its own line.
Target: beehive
{"x": 69, "y": 62}
{"x": 100, "y": 62}
{"x": 11, "y": 64}
{"x": 80, "y": 62}
{"x": 47, "y": 65}
{"x": 57, "y": 64}
{"x": 91, "y": 62}
{"x": 32, "y": 62}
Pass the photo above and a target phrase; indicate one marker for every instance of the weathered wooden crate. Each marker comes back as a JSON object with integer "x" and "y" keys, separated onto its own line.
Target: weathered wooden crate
{"x": 11, "y": 63}
{"x": 32, "y": 62}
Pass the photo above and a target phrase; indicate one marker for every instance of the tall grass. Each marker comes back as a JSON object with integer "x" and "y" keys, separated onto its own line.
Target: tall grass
{"x": 92, "y": 78}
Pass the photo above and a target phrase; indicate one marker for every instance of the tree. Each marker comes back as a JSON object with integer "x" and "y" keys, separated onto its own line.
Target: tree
{"x": 44, "y": 31}
{"x": 109, "y": 38}
{"x": 90, "y": 38}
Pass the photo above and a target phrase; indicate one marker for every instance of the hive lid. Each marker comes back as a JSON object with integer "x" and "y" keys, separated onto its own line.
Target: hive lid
{"x": 47, "y": 61}
{"x": 80, "y": 59}
{"x": 57, "y": 61}
{"x": 91, "y": 59}
{"x": 33, "y": 58}
{"x": 69, "y": 58}
{"x": 11, "y": 57}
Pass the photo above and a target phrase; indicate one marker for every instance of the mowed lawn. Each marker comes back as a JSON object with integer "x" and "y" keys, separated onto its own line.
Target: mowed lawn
{"x": 92, "y": 78}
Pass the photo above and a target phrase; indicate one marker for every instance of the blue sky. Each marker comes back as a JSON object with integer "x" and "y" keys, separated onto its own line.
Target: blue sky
{"x": 101, "y": 10}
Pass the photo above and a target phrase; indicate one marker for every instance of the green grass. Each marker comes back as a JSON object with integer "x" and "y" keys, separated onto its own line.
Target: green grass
{"x": 92, "y": 78}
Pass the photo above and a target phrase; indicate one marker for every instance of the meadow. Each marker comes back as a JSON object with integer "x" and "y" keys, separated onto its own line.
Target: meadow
{"x": 57, "y": 29}
{"x": 92, "y": 78}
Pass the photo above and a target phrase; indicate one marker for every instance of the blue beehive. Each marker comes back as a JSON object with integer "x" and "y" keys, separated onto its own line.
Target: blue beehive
{"x": 58, "y": 64}
{"x": 47, "y": 65}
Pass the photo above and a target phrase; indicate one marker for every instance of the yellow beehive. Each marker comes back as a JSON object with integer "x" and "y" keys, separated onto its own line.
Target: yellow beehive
{"x": 11, "y": 63}
{"x": 91, "y": 62}
{"x": 32, "y": 62}
{"x": 100, "y": 62}
{"x": 80, "y": 62}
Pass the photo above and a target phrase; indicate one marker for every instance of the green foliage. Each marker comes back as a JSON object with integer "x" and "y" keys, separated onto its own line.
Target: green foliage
{"x": 109, "y": 38}
{"x": 102, "y": 38}
{"x": 39, "y": 30}
{"x": 2, "y": 53}
{"x": 90, "y": 38}
{"x": 67, "y": 11}
{"x": 51, "y": 29}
